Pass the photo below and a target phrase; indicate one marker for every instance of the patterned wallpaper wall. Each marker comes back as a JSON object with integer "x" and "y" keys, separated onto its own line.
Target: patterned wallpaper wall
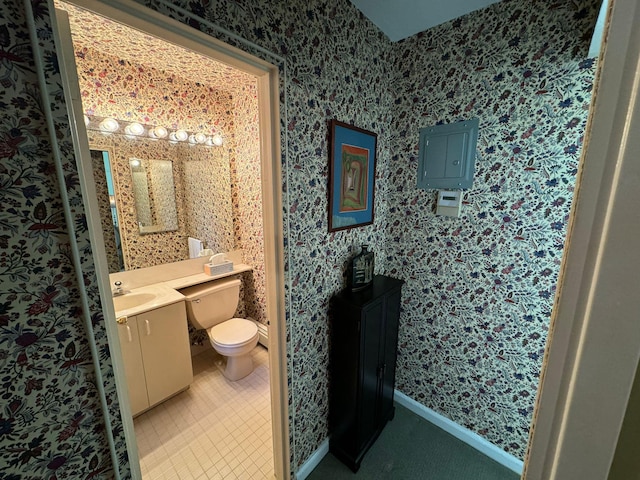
{"x": 112, "y": 86}
{"x": 480, "y": 288}
{"x": 51, "y": 424}
{"x": 207, "y": 184}
{"x": 246, "y": 197}
{"x": 338, "y": 65}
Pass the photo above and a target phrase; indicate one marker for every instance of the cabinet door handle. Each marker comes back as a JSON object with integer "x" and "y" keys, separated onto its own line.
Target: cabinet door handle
{"x": 129, "y": 333}
{"x": 146, "y": 322}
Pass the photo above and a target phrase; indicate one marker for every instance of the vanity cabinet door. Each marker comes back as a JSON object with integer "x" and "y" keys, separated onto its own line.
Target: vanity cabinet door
{"x": 133, "y": 366}
{"x": 164, "y": 342}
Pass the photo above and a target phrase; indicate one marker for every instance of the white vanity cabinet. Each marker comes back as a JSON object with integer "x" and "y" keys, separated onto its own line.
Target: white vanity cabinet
{"x": 156, "y": 355}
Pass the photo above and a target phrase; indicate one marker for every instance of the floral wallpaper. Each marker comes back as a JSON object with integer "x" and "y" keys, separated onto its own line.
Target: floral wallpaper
{"x": 480, "y": 288}
{"x": 132, "y": 91}
{"x": 208, "y": 202}
{"x": 129, "y": 46}
{"x": 246, "y": 198}
{"x": 477, "y": 298}
{"x": 52, "y": 424}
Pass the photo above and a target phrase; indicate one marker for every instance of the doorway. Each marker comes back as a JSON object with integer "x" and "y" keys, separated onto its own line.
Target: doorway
{"x": 266, "y": 76}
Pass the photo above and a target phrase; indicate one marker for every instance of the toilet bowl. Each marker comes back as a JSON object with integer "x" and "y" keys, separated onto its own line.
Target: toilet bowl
{"x": 211, "y": 306}
{"x": 235, "y": 339}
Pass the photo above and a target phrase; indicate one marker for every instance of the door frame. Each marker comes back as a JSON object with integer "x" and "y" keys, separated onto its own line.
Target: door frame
{"x": 594, "y": 339}
{"x": 267, "y": 76}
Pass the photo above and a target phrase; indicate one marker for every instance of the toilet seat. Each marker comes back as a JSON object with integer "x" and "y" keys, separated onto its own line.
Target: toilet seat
{"x": 235, "y": 332}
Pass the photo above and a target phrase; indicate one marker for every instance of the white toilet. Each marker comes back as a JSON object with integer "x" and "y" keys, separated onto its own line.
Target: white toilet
{"x": 210, "y": 306}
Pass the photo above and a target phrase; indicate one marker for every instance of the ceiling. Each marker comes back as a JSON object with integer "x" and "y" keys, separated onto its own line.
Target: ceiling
{"x": 400, "y": 19}
{"x": 122, "y": 42}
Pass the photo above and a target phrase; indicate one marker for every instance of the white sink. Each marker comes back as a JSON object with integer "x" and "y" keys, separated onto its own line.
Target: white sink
{"x": 131, "y": 300}
{"x": 143, "y": 299}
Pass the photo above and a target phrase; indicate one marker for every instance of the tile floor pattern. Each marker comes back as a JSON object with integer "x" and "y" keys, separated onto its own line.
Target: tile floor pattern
{"x": 214, "y": 430}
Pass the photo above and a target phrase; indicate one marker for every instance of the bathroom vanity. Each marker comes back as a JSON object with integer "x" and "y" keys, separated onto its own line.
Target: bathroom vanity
{"x": 363, "y": 345}
{"x": 156, "y": 355}
{"x": 153, "y": 329}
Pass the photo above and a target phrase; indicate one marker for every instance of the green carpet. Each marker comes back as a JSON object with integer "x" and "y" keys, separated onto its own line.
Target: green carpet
{"x": 411, "y": 448}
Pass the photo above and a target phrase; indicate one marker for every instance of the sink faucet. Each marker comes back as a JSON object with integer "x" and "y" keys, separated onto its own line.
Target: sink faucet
{"x": 118, "y": 290}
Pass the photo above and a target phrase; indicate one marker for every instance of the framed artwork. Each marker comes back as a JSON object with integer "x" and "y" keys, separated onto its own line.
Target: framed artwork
{"x": 352, "y": 169}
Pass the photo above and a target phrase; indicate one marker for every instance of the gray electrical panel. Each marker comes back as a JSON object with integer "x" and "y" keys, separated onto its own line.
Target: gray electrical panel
{"x": 447, "y": 155}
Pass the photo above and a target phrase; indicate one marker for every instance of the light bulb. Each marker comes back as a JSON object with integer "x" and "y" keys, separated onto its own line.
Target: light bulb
{"x": 178, "y": 136}
{"x": 134, "y": 129}
{"x": 135, "y": 162}
{"x": 217, "y": 139}
{"x": 158, "y": 132}
{"x": 109, "y": 125}
{"x": 201, "y": 137}
{"x": 86, "y": 121}
{"x": 192, "y": 139}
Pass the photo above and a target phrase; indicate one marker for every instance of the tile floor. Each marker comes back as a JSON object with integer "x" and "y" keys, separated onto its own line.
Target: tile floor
{"x": 214, "y": 430}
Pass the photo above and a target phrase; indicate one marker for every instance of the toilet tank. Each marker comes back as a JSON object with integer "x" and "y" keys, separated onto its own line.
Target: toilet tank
{"x": 211, "y": 303}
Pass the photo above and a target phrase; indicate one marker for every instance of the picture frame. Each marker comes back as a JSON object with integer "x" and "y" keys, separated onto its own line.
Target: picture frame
{"x": 352, "y": 169}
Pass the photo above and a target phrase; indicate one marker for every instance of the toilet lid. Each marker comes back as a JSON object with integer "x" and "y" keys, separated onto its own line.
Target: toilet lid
{"x": 233, "y": 332}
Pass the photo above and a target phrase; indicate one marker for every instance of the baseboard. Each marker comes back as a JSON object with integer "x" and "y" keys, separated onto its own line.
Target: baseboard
{"x": 467, "y": 436}
{"x": 263, "y": 333}
{"x": 312, "y": 462}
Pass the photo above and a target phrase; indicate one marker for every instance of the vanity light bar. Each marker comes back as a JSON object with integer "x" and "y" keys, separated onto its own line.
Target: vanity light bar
{"x": 110, "y": 125}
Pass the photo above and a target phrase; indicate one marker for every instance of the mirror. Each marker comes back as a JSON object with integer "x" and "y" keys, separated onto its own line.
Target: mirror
{"x": 194, "y": 189}
{"x": 154, "y": 195}
{"x": 105, "y": 191}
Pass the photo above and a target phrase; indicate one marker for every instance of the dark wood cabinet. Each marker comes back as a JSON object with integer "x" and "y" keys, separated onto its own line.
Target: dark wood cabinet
{"x": 364, "y": 340}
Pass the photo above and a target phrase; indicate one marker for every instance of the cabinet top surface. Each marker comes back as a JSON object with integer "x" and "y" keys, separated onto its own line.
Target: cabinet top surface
{"x": 380, "y": 286}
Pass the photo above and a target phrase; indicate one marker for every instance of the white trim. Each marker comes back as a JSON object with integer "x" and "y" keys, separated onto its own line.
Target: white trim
{"x": 69, "y": 80}
{"x": 263, "y": 332}
{"x": 461, "y": 433}
{"x": 313, "y": 461}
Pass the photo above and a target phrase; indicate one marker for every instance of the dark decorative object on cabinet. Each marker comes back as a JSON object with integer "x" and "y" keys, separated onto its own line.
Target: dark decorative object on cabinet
{"x": 360, "y": 271}
{"x": 363, "y": 342}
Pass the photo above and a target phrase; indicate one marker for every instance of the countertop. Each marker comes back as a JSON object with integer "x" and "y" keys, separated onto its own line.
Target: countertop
{"x": 190, "y": 280}
{"x": 165, "y": 293}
